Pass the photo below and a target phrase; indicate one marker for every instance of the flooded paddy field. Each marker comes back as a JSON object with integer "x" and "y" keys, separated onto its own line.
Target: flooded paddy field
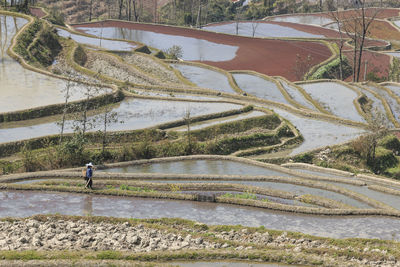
{"x": 202, "y": 125}
{"x": 388, "y": 199}
{"x": 296, "y": 95}
{"x": 193, "y": 48}
{"x": 259, "y": 87}
{"x": 377, "y": 103}
{"x": 393, "y": 104}
{"x": 291, "y": 188}
{"x": 99, "y": 42}
{"x": 26, "y": 203}
{"x": 22, "y": 88}
{"x": 336, "y": 98}
{"x": 319, "y": 133}
{"x": 205, "y": 78}
{"x": 259, "y": 29}
{"x": 394, "y": 88}
{"x": 219, "y": 167}
{"x": 132, "y": 114}
{"x": 311, "y": 19}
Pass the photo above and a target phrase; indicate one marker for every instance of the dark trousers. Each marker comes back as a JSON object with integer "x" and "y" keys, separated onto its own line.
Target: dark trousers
{"x": 89, "y": 182}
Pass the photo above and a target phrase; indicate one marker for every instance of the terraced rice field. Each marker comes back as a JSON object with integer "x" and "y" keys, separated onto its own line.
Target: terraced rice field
{"x": 304, "y": 19}
{"x": 219, "y": 50}
{"x": 259, "y": 87}
{"x": 245, "y": 113}
{"x": 206, "y": 78}
{"x": 132, "y": 114}
{"x": 21, "y": 88}
{"x": 337, "y": 98}
{"x": 105, "y": 44}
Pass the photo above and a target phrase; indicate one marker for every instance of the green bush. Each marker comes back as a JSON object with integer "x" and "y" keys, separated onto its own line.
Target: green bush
{"x": 305, "y": 157}
{"x": 266, "y": 122}
{"x": 160, "y": 54}
{"x": 332, "y": 70}
{"x": 46, "y": 47}
{"x": 143, "y": 49}
{"x": 232, "y": 144}
{"x": 384, "y": 159}
{"x": 80, "y": 56}
{"x": 391, "y": 142}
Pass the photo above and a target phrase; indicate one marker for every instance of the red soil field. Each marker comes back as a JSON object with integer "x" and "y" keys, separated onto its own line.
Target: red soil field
{"x": 384, "y": 30}
{"x": 37, "y": 12}
{"x": 271, "y": 57}
{"x": 382, "y": 14}
{"x": 377, "y": 62}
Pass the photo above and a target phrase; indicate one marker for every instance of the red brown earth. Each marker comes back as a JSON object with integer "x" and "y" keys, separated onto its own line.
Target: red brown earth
{"x": 377, "y": 62}
{"x": 382, "y": 14}
{"x": 270, "y": 57}
{"x": 37, "y": 12}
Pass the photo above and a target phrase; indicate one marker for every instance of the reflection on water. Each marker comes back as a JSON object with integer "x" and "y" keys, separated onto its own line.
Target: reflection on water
{"x": 394, "y": 106}
{"x": 133, "y": 113}
{"x": 259, "y": 87}
{"x": 88, "y": 205}
{"x": 304, "y": 19}
{"x": 319, "y": 133}
{"x": 295, "y": 189}
{"x": 260, "y": 29}
{"x": 107, "y": 44}
{"x": 193, "y": 48}
{"x": 21, "y": 88}
{"x": 217, "y": 167}
{"x": 205, "y": 77}
{"x": 27, "y": 203}
{"x": 376, "y": 104}
{"x": 296, "y": 95}
{"x": 336, "y": 97}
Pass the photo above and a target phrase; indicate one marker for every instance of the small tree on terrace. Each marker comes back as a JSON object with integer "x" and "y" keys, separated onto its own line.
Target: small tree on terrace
{"x": 356, "y": 25}
{"x": 254, "y": 25}
{"x": 366, "y": 145}
{"x": 335, "y": 15}
{"x": 378, "y": 128}
{"x": 107, "y": 117}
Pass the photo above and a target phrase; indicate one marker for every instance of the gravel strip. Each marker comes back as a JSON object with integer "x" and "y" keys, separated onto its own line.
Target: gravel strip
{"x": 152, "y": 67}
{"x": 111, "y": 67}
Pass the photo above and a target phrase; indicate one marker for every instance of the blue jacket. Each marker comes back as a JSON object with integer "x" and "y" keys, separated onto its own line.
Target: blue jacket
{"x": 89, "y": 173}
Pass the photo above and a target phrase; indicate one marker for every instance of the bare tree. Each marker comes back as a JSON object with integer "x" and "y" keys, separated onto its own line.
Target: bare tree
{"x": 335, "y": 15}
{"x": 108, "y": 117}
{"x": 357, "y": 28}
{"x": 254, "y": 25}
{"x": 188, "y": 120}
{"x": 198, "y": 21}
{"x": 238, "y": 17}
{"x": 120, "y": 6}
{"x": 90, "y": 9}
{"x": 67, "y": 90}
{"x": 378, "y": 128}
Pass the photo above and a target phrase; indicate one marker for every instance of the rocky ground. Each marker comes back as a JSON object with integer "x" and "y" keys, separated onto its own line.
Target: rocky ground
{"x": 53, "y": 234}
{"x": 66, "y": 235}
{"x": 109, "y": 66}
{"x": 152, "y": 67}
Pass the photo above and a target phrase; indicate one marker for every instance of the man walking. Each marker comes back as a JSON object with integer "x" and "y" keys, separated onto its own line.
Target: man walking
{"x": 89, "y": 175}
